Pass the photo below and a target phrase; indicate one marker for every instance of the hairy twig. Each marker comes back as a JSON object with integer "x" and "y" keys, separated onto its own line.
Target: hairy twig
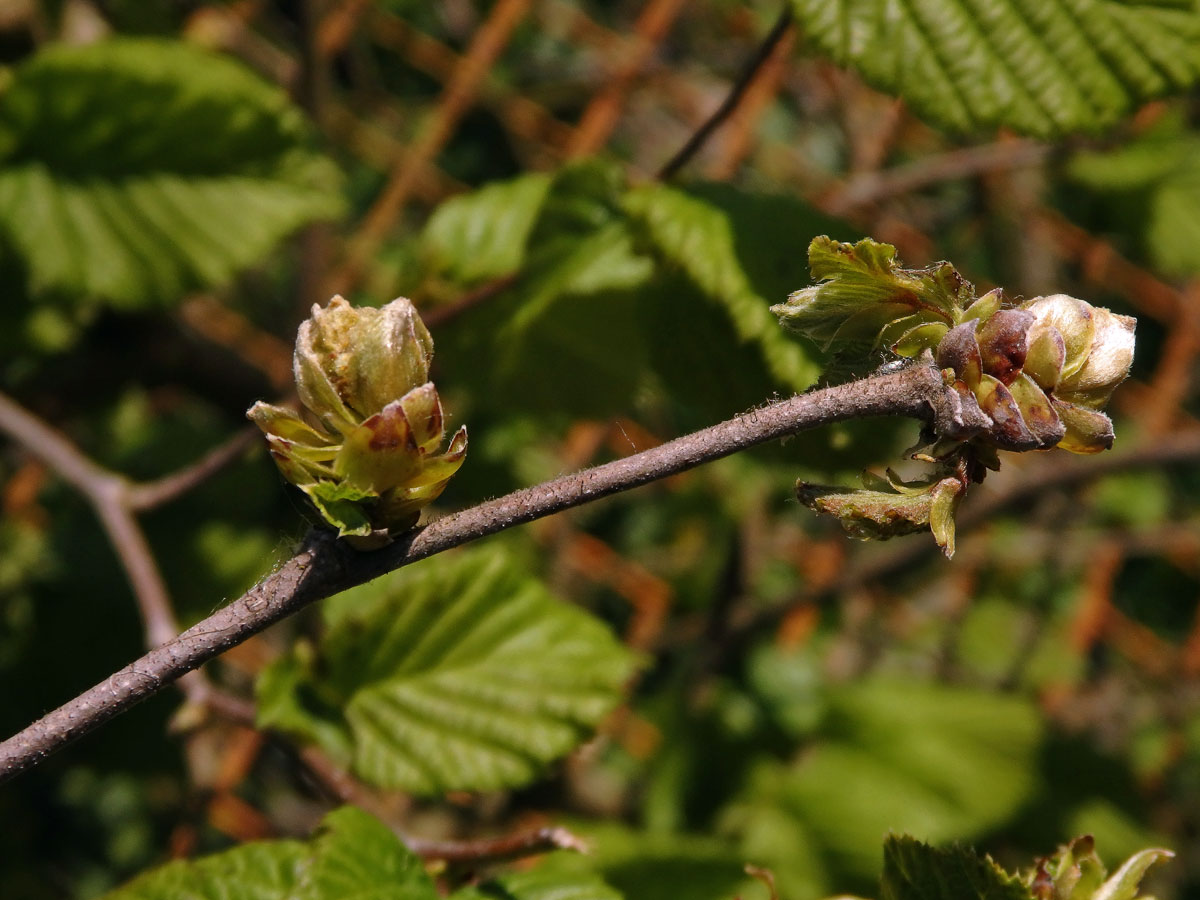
{"x": 681, "y": 158}
{"x": 325, "y": 566}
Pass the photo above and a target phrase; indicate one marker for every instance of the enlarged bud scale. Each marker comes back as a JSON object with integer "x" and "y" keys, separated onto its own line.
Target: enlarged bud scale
{"x": 366, "y": 453}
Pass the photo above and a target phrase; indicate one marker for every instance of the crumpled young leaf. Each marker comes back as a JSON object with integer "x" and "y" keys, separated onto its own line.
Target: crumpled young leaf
{"x": 1038, "y": 374}
{"x": 888, "y": 508}
{"x": 864, "y": 296}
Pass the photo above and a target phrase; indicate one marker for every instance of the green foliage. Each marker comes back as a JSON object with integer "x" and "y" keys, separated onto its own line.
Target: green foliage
{"x": 557, "y": 877}
{"x": 352, "y": 855}
{"x": 697, "y": 238}
{"x": 930, "y": 760}
{"x": 864, "y": 296}
{"x": 463, "y": 674}
{"x": 649, "y": 865}
{"x": 600, "y": 265}
{"x": 135, "y": 170}
{"x": 482, "y": 235}
{"x": 805, "y": 695}
{"x": 913, "y": 870}
{"x": 1153, "y": 183}
{"x": 1042, "y": 67}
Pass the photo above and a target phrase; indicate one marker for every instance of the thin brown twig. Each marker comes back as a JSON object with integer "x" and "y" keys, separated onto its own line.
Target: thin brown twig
{"x": 345, "y": 788}
{"x": 108, "y": 493}
{"x": 743, "y": 121}
{"x": 325, "y": 566}
{"x": 524, "y": 118}
{"x": 509, "y": 846}
{"x": 874, "y": 186}
{"x": 441, "y": 314}
{"x": 152, "y": 494}
{"x": 781, "y": 28}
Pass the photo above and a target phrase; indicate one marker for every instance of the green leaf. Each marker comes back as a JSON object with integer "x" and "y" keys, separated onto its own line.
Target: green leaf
{"x": 863, "y": 295}
{"x": 1123, "y": 884}
{"x": 645, "y": 865}
{"x": 573, "y": 308}
{"x": 941, "y": 762}
{"x": 1153, "y": 187}
{"x": 557, "y": 877}
{"x": 353, "y": 855}
{"x": 1042, "y": 67}
{"x": 913, "y": 870}
{"x": 483, "y": 234}
{"x": 462, "y": 673}
{"x": 134, "y": 170}
{"x": 696, "y": 237}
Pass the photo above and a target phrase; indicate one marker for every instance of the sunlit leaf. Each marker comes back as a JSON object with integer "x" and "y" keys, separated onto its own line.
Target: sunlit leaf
{"x": 460, "y": 674}
{"x": 1043, "y": 67}
{"x": 134, "y": 170}
{"x": 483, "y": 234}
{"x": 352, "y": 855}
{"x": 913, "y": 870}
{"x": 944, "y": 763}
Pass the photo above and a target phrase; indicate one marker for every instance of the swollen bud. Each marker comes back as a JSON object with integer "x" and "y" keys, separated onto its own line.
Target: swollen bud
{"x": 364, "y": 450}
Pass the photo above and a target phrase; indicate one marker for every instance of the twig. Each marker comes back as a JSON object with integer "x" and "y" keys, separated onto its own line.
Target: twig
{"x": 781, "y": 27}
{"x": 872, "y": 187}
{"x": 325, "y": 566}
{"x": 108, "y": 493}
{"x": 1054, "y": 473}
{"x": 743, "y": 121}
{"x": 511, "y": 846}
{"x": 152, "y": 494}
{"x": 347, "y": 789}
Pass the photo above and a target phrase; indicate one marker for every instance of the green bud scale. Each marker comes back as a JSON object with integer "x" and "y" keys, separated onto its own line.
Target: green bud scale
{"x": 365, "y": 447}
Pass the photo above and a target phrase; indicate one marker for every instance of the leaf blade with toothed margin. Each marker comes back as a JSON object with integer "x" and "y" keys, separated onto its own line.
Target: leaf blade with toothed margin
{"x": 470, "y": 663}
{"x": 1041, "y": 67}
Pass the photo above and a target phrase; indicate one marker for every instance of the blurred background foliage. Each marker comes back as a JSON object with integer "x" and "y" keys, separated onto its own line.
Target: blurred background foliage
{"x": 181, "y": 181}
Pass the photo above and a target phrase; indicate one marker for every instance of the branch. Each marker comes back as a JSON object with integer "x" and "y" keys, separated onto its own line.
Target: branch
{"x": 731, "y": 101}
{"x": 325, "y": 566}
{"x": 153, "y": 494}
{"x": 108, "y": 493}
{"x": 873, "y": 187}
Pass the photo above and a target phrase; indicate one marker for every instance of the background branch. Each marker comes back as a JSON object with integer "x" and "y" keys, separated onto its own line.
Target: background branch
{"x": 325, "y": 566}
{"x": 693, "y": 144}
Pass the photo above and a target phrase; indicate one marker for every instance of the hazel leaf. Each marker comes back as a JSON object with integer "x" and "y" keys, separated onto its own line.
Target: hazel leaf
{"x": 862, "y": 288}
